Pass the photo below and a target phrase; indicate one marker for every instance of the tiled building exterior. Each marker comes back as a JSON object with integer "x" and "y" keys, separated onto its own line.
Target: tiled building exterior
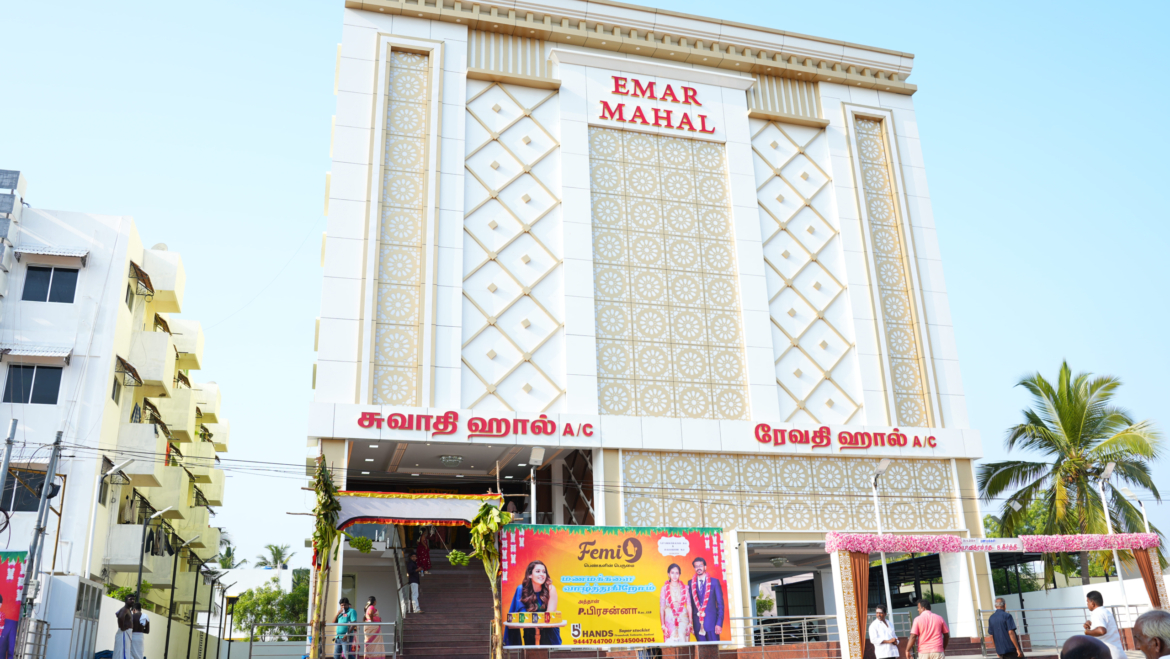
{"x": 693, "y": 236}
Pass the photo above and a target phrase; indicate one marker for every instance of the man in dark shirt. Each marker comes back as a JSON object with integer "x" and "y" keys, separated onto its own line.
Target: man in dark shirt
{"x": 412, "y": 573}
{"x": 1003, "y": 629}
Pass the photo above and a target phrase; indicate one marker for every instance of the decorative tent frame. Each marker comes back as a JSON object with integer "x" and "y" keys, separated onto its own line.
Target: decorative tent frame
{"x": 850, "y": 553}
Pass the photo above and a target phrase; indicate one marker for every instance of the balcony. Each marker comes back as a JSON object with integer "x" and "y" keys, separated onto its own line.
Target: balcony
{"x": 200, "y": 460}
{"x": 178, "y": 412}
{"x": 213, "y": 489}
{"x": 173, "y": 492}
{"x": 124, "y": 546}
{"x": 207, "y": 399}
{"x": 168, "y": 277}
{"x": 220, "y": 433}
{"x": 185, "y": 589}
{"x": 141, "y": 439}
{"x": 209, "y": 538}
{"x": 153, "y": 357}
{"x": 188, "y": 337}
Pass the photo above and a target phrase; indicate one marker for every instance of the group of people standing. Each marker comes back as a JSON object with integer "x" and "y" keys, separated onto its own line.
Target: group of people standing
{"x": 133, "y": 626}
{"x": 345, "y": 638}
{"x": 1102, "y": 638}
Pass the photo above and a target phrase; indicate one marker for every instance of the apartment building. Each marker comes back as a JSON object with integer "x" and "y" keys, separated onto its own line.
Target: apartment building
{"x": 92, "y": 345}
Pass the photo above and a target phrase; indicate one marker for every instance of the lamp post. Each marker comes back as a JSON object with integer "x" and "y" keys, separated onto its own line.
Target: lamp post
{"x": 97, "y": 490}
{"x": 1105, "y": 475}
{"x": 142, "y": 551}
{"x": 877, "y": 513}
{"x": 174, "y": 584}
{"x": 1141, "y": 504}
{"x": 222, "y": 614}
{"x": 231, "y": 602}
{"x": 534, "y": 461}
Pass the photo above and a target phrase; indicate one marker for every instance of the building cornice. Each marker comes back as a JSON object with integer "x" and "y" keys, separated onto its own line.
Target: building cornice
{"x": 672, "y": 36}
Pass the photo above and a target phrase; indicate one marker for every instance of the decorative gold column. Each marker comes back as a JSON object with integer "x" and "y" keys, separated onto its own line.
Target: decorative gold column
{"x": 903, "y": 346}
{"x": 402, "y": 235}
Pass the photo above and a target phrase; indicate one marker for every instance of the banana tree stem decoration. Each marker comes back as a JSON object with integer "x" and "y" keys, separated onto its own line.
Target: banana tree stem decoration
{"x": 484, "y": 530}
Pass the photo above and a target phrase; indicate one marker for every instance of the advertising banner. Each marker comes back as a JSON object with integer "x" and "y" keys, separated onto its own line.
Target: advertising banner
{"x": 612, "y": 585}
{"x": 11, "y": 586}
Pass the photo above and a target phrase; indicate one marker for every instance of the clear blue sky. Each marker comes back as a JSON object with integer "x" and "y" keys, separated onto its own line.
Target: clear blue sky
{"x": 209, "y": 123}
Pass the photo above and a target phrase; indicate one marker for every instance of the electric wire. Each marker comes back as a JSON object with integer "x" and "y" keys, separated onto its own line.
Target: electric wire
{"x": 295, "y": 471}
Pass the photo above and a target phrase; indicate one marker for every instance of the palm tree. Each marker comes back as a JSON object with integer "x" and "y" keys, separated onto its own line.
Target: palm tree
{"x": 227, "y": 554}
{"x": 1073, "y": 424}
{"x": 278, "y": 556}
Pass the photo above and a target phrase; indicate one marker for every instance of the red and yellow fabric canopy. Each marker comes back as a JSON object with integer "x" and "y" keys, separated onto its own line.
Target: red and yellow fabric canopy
{"x": 408, "y": 509}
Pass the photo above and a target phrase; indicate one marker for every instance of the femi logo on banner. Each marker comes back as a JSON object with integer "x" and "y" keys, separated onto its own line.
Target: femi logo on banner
{"x": 676, "y": 119}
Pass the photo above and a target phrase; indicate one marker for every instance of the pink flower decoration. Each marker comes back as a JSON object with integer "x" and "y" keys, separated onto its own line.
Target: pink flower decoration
{"x": 1071, "y": 544}
{"x": 871, "y": 543}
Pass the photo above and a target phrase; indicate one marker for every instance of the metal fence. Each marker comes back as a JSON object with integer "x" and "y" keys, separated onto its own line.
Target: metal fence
{"x": 810, "y": 637}
{"x": 32, "y": 639}
{"x": 286, "y": 640}
{"x": 1048, "y": 629}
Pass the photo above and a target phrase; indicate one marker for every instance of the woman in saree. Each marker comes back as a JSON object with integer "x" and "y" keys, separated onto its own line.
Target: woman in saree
{"x": 675, "y": 608}
{"x": 373, "y": 633}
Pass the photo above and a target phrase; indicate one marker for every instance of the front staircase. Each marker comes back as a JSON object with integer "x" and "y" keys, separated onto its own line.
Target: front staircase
{"x": 457, "y": 612}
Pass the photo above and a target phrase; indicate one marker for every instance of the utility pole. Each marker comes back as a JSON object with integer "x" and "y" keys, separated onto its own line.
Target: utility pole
{"x": 31, "y": 583}
{"x": 7, "y": 454}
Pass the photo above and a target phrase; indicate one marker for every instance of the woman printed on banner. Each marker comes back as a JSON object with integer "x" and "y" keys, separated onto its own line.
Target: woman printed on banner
{"x": 675, "y": 608}
{"x": 536, "y": 593}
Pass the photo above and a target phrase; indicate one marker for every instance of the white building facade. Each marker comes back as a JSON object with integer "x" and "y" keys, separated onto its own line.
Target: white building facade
{"x": 701, "y": 253}
{"x": 93, "y": 348}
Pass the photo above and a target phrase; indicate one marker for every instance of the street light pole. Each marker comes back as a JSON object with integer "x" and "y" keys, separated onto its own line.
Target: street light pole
{"x": 877, "y": 513}
{"x": 210, "y": 603}
{"x": 1109, "y": 526}
{"x": 222, "y": 615}
{"x": 1141, "y": 504}
{"x": 174, "y": 587}
{"x": 97, "y": 490}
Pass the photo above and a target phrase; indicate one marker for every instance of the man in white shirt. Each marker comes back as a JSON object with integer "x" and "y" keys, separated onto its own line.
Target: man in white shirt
{"x": 1151, "y": 634}
{"x": 881, "y": 634}
{"x": 1102, "y": 625}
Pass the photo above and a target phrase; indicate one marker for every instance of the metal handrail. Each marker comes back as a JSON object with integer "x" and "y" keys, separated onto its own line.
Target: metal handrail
{"x": 298, "y": 644}
{"x": 817, "y": 635}
{"x": 1048, "y": 629}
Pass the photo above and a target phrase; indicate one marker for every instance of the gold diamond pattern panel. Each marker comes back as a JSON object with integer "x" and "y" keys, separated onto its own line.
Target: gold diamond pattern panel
{"x": 399, "y": 278}
{"x": 669, "y": 331}
{"x": 814, "y": 357}
{"x": 908, "y": 380}
{"x": 513, "y": 321}
{"x": 784, "y": 493}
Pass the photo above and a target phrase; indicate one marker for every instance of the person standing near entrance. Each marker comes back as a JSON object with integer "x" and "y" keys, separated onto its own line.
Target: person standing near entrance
{"x": 413, "y": 572}
{"x": 1102, "y": 624}
{"x": 1003, "y": 630}
{"x": 141, "y": 628}
{"x": 881, "y": 634}
{"x": 707, "y": 607}
{"x": 124, "y": 637}
{"x": 930, "y": 632}
{"x": 343, "y": 648}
